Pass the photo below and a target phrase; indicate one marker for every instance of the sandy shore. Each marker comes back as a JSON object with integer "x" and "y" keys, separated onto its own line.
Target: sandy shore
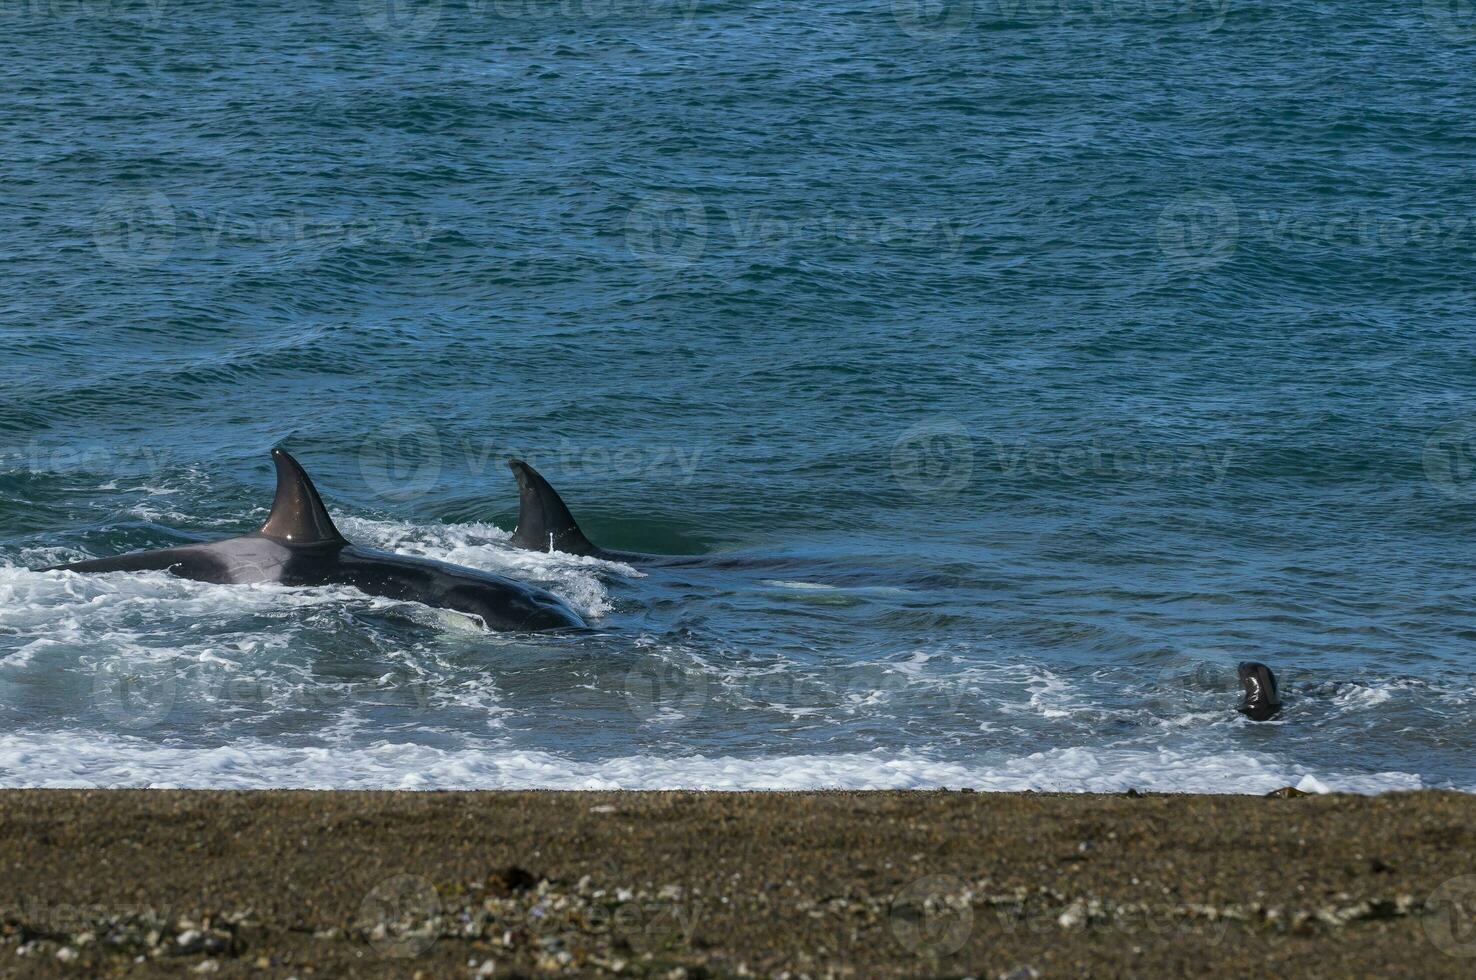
{"x": 705, "y": 884}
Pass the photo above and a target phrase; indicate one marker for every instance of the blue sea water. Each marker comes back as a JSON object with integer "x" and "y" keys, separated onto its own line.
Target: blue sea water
{"x": 1020, "y": 367}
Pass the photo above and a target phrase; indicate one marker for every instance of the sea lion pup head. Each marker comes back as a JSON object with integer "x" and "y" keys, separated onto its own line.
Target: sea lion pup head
{"x": 1260, "y": 702}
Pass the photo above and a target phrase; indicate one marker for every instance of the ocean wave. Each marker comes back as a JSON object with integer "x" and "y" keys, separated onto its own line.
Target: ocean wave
{"x": 55, "y": 760}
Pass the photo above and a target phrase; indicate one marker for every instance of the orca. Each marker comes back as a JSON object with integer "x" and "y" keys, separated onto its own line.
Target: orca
{"x": 1259, "y": 699}
{"x": 299, "y": 546}
{"x": 545, "y": 524}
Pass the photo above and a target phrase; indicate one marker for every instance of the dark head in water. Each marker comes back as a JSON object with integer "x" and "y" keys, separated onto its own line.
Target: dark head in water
{"x": 298, "y": 545}
{"x": 1260, "y": 701}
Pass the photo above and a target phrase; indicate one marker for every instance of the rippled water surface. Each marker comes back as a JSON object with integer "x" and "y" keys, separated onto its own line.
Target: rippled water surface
{"x": 1015, "y": 370}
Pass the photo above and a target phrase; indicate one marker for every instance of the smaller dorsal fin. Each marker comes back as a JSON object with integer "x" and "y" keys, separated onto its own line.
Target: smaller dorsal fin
{"x": 544, "y": 523}
{"x": 298, "y": 514}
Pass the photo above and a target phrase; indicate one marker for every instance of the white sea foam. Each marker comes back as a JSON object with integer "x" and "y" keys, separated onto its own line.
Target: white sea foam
{"x": 860, "y": 590}
{"x": 32, "y": 598}
{"x": 800, "y": 586}
{"x": 573, "y": 578}
{"x": 1360, "y": 697}
{"x": 48, "y": 759}
{"x": 254, "y": 694}
{"x": 1050, "y": 695}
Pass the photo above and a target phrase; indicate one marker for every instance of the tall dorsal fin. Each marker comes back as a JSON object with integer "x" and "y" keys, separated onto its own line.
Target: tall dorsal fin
{"x": 298, "y": 514}
{"x": 544, "y": 523}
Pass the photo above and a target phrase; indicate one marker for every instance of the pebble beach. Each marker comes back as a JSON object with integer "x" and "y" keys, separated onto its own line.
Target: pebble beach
{"x": 687, "y": 884}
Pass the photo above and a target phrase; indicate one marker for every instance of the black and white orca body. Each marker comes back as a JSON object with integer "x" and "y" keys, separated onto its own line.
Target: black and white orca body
{"x": 299, "y": 546}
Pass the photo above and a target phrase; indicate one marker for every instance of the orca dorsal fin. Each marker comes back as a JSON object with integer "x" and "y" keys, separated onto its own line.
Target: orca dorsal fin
{"x": 298, "y": 514}
{"x": 544, "y": 522}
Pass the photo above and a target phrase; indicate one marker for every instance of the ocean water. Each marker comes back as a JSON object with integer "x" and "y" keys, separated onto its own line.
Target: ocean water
{"x": 1013, "y": 369}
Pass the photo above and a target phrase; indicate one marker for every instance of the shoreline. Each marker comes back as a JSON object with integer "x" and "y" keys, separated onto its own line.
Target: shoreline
{"x": 683, "y": 883}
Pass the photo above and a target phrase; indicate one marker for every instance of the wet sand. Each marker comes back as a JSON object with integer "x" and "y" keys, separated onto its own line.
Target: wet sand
{"x": 945, "y": 884}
